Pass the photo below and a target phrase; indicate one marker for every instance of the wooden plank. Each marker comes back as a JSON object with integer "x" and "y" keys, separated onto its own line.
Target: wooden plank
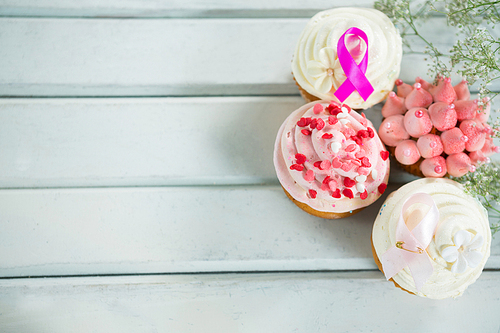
{"x": 296, "y": 302}
{"x": 159, "y": 57}
{"x": 143, "y": 142}
{"x": 169, "y": 8}
{"x": 177, "y": 229}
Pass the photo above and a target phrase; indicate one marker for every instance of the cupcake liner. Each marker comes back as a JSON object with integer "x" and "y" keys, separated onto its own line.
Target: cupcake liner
{"x": 325, "y": 215}
{"x": 305, "y": 95}
{"x": 379, "y": 265}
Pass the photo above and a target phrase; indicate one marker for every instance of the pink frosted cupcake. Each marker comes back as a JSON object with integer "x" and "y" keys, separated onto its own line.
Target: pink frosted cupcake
{"x": 435, "y": 131}
{"x": 330, "y": 160}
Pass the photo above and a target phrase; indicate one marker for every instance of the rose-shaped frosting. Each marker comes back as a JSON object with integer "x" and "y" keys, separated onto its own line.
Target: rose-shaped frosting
{"x": 457, "y": 211}
{"x": 315, "y": 64}
{"x": 330, "y": 158}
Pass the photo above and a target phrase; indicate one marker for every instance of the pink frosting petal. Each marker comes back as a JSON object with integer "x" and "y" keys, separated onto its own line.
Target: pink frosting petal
{"x": 443, "y": 116}
{"x": 418, "y": 97}
{"x": 430, "y": 145}
{"x": 444, "y": 92}
{"x": 434, "y": 167}
{"x": 393, "y": 105}
{"x": 407, "y": 152}
{"x": 458, "y": 164}
{"x": 453, "y": 141}
{"x": 417, "y": 122}
{"x": 392, "y": 130}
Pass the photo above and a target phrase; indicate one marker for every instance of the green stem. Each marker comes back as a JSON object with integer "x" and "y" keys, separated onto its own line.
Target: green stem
{"x": 473, "y": 7}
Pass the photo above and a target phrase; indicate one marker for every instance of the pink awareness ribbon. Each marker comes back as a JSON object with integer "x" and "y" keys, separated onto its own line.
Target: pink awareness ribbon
{"x": 356, "y": 79}
{"x": 410, "y": 246}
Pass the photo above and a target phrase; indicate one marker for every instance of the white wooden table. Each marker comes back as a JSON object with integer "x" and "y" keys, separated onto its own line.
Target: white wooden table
{"x": 137, "y": 191}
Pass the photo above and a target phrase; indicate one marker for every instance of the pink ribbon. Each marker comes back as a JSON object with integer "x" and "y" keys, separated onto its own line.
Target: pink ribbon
{"x": 356, "y": 79}
{"x": 410, "y": 246}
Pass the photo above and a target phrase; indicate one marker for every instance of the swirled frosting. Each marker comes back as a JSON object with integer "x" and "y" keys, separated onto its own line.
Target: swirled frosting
{"x": 315, "y": 65}
{"x": 457, "y": 211}
{"x": 330, "y": 158}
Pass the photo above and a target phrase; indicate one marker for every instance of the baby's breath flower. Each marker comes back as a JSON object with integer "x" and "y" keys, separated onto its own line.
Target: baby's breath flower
{"x": 484, "y": 184}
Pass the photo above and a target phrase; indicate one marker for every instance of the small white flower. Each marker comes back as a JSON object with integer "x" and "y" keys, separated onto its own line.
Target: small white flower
{"x": 464, "y": 251}
{"x": 327, "y": 72}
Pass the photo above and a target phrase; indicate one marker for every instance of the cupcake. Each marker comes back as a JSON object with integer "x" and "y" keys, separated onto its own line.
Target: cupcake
{"x": 431, "y": 238}
{"x": 330, "y": 160}
{"x": 436, "y": 131}
{"x": 365, "y": 36}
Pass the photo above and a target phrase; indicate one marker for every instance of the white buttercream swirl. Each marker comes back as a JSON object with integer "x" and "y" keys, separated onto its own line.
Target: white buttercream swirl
{"x": 457, "y": 211}
{"x": 315, "y": 65}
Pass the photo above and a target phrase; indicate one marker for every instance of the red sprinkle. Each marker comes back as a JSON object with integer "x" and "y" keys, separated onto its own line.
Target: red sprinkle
{"x": 317, "y": 108}
{"x": 350, "y": 148}
{"x": 320, "y": 124}
{"x": 356, "y": 139}
{"x": 371, "y": 134}
{"x": 313, "y": 193}
{"x": 309, "y": 175}
{"x": 327, "y": 136}
{"x": 326, "y": 180}
{"x": 363, "y": 134}
{"x": 357, "y": 162}
{"x": 363, "y": 171}
{"x": 332, "y": 120}
{"x": 334, "y": 109}
{"x": 306, "y": 132}
{"x": 336, "y": 194}
{"x": 360, "y": 154}
{"x": 302, "y": 122}
{"x": 313, "y": 123}
{"x": 346, "y": 166}
{"x": 348, "y": 182}
{"x": 347, "y": 107}
{"x": 301, "y": 158}
{"x": 297, "y": 167}
{"x": 317, "y": 164}
{"x": 384, "y": 155}
{"x": 336, "y": 163}
{"x": 365, "y": 162}
{"x": 363, "y": 195}
{"x": 325, "y": 165}
{"x": 382, "y": 187}
{"x": 348, "y": 193}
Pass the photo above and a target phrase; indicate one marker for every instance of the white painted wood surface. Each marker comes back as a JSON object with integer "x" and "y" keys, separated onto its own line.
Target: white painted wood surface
{"x": 159, "y": 57}
{"x": 143, "y": 141}
{"x": 196, "y": 233}
{"x": 169, "y": 8}
{"x": 176, "y": 230}
{"x": 298, "y": 302}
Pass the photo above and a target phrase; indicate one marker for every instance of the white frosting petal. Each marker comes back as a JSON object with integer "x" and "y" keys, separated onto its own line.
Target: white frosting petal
{"x": 460, "y": 265}
{"x": 476, "y": 243}
{"x": 450, "y": 253}
{"x": 473, "y": 258}
{"x": 316, "y": 69}
{"x": 462, "y": 237}
{"x": 323, "y": 83}
{"x": 318, "y": 42}
{"x": 458, "y": 212}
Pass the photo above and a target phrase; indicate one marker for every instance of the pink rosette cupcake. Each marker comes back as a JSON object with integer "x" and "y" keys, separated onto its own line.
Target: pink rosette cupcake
{"x": 330, "y": 160}
{"x": 436, "y": 131}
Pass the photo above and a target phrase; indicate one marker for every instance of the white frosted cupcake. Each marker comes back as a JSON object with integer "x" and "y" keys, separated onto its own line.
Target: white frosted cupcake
{"x": 431, "y": 238}
{"x": 317, "y": 69}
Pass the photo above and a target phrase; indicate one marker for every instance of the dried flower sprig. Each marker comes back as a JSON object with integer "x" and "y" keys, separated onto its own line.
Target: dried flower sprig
{"x": 484, "y": 184}
{"x": 475, "y": 49}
